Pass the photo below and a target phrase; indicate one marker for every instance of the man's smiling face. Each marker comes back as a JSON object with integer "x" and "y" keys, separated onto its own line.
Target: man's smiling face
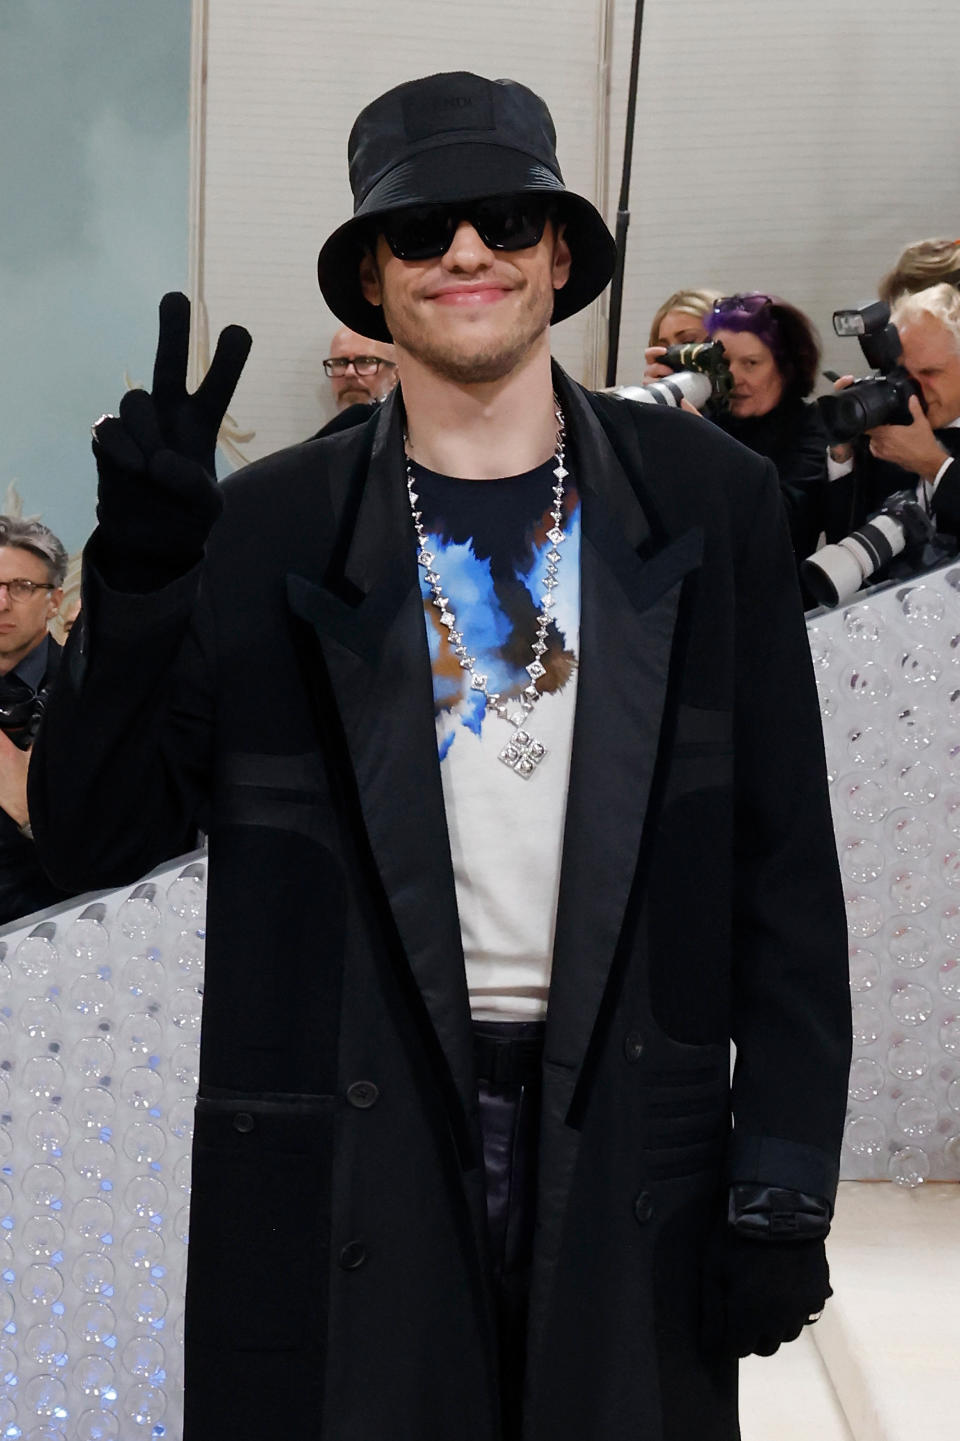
{"x": 473, "y": 313}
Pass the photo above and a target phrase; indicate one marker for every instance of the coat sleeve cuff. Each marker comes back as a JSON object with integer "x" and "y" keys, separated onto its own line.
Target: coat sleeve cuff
{"x": 790, "y": 1164}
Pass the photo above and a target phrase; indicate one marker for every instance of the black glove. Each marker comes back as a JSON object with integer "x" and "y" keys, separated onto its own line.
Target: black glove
{"x": 765, "y": 1272}
{"x": 158, "y": 496}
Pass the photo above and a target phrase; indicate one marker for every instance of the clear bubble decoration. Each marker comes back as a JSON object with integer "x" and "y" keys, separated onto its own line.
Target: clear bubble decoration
{"x": 920, "y": 666}
{"x": 915, "y": 727}
{"x": 865, "y": 798}
{"x": 918, "y": 783}
{"x": 866, "y": 683}
{"x": 99, "y": 1061}
{"x": 908, "y": 1059}
{"x": 917, "y": 1117}
{"x": 909, "y": 1166}
{"x": 865, "y": 969}
{"x": 950, "y": 1035}
{"x": 866, "y": 1136}
{"x": 948, "y": 979}
{"x": 888, "y": 681}
{"x": 910, "y": 892}
{"x": 867, "y": 1023}
{"x": 912, "y": 835}
{"x": 950, "y": 869}
{"x": 863, "y": 626}
{"x": 864, "y": 915}
{"x": 909, "y": 944}
{"x": 866, "y": 1079}
{"x": 867, "y": 748}
{"x": 99, "y": 1425}
{"x": 86, "y": 940}
{"x": 821, "y": 648}
{"x": 953, "y": 1096}
{"x": 861, "y": 860}
{"x": 910, "y": 1003}
{"x": 139, "y": 919}
{"x": 922, "y": 606}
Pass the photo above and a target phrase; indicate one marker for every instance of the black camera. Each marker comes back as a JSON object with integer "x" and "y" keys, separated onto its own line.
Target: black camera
{"x": 882, "y": 399}
{"x": 701, "y": 375}
{"x": 20, "y": 717}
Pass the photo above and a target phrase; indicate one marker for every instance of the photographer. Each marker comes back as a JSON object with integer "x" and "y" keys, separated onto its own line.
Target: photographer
{"x": 773, "y": 352}
{"x": 678, "y": 321}
{"x": 33, "y": 564}
{"x": 919, "y": 456}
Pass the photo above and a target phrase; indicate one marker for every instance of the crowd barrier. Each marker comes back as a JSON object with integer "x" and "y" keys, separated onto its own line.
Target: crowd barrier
{"x": 888, "y": 675}
{"x": 99, "y": 1050}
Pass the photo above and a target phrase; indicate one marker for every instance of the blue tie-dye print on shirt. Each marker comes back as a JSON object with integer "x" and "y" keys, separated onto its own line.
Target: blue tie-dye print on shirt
{"x": 489, "y": 545}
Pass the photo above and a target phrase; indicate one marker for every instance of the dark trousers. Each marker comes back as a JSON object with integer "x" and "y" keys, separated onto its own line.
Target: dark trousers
{"x": 509, "y": 1057}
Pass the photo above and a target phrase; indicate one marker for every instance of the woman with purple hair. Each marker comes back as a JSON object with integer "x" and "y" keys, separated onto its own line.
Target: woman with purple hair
{"x": 773, "y": 353}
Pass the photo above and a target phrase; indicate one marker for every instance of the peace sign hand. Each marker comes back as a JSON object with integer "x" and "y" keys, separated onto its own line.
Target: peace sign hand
{"x": 158, "y": 496}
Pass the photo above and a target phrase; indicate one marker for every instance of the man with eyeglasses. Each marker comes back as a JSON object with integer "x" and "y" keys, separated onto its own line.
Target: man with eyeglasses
{"x": 525, "y": 817}
{"x": 33, "y": 564}
{"x": 361, "y": 371}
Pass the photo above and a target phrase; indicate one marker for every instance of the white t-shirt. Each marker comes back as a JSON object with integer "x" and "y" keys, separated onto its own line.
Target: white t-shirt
{"x": 491, "y": 551}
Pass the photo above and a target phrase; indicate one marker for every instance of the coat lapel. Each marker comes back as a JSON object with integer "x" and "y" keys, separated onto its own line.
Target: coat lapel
{"x": 630, "y": 588}
{"x": 367, "y": 615}
{"x": 630, "y": 594}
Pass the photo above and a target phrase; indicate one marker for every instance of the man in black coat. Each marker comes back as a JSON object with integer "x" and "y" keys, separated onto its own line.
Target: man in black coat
{"x": 519, "y": 819}
{"x": 33, "y": 564}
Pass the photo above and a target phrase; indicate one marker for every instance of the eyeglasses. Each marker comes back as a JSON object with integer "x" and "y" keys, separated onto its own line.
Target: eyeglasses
{"x": 21, "y": 590}
{"x": 362, "y": 364}
{"x": 747, "y": 303}
{"x": 511, "y": 223}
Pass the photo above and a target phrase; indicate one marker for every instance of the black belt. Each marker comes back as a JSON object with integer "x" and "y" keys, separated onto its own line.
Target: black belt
{"x": 508, "y": 1053}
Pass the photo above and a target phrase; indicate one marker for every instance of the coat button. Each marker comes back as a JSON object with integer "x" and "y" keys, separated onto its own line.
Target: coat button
{"x": 363, "y": 1095}
{"x": 243, "y": 1121}
{"x": 633, "y": 1046}
{"x": 353, "y": 1254}
{"x": 643, "y": 1207}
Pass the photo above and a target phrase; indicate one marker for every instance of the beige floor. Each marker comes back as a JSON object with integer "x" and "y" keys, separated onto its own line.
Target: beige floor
{"x": 884, "y": 1362}
{"x": 789, "y": 1397}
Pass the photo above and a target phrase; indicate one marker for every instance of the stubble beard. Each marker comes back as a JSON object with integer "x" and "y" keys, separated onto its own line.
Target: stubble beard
{"x": 453, "y": 361}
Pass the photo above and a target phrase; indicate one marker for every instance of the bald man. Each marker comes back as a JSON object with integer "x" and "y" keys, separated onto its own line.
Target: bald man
{"x": 350, "y": 387}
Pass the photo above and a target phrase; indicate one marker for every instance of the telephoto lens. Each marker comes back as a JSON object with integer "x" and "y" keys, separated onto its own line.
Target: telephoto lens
{"x": 671, "y": 390}
{"x": 836, "y": 572}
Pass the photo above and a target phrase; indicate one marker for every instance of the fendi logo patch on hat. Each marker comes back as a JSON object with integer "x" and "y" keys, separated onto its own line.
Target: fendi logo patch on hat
{"x": 435, "y": 111}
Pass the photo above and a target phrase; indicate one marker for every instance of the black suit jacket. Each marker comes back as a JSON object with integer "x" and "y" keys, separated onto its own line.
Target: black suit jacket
{"x": 281, "y": 696}
{"x": 24, "y": 885}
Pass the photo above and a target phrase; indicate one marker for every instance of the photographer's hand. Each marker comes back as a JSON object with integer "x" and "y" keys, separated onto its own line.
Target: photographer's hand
{"x": 13, "y": 780}
{"x": 914, "y": 447}
{"x": 843, "y": 450}
{"x": 158, "y": 496}
{"x": 654, "y": 370}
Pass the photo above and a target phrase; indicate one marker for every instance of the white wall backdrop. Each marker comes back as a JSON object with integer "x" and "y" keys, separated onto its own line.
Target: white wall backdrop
{"x": 787, "y": 146}
{"x": 793, "y": 148}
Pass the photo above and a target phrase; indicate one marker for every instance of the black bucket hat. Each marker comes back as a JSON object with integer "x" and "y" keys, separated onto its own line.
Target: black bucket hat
{"x": 444, "y": 139}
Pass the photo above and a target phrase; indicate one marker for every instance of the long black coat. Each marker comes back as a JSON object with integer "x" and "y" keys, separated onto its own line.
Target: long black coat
{"x": 281, "y": 697}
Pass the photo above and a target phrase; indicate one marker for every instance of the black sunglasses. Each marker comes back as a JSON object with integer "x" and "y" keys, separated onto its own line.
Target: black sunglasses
{"x": 512, "y": 223}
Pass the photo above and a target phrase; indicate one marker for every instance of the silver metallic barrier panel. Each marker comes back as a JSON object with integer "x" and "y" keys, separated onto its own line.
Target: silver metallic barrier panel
{"x": 888, "y": 674}
{"x": 99, "y": 1049}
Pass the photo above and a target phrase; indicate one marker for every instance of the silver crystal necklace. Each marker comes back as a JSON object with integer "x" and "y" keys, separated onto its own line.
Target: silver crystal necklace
{"x": 523, "y": 752}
